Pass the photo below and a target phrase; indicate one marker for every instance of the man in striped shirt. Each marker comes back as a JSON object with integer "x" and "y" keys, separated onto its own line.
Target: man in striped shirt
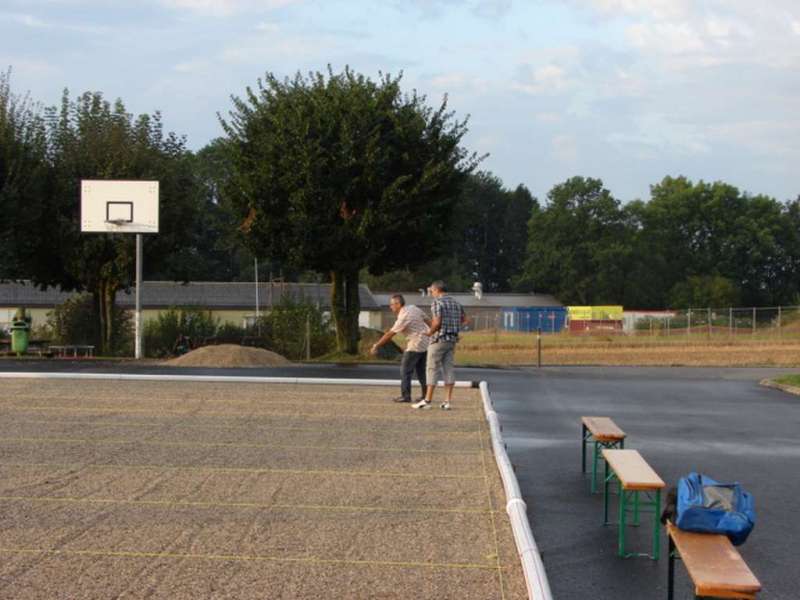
{"x": 413, "y": 324}
{"x": 448, "y": 319}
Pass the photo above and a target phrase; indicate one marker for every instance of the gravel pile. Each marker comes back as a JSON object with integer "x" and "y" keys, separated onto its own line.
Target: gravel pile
{"x": 229, "y": 355}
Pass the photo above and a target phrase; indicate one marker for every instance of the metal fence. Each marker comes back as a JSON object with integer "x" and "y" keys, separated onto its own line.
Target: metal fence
{"x": 774, "y": 321}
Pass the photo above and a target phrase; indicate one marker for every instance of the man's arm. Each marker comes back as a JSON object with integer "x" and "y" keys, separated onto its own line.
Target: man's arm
{"x": 384, "y": 339}
{"x": 435, "y": 325}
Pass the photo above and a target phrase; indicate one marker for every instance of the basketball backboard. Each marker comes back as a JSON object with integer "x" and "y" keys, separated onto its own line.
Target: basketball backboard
{"x": 116, "y": 206}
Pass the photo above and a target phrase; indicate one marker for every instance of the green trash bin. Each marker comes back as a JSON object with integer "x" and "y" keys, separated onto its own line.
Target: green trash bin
{"x": 19, "y": 336}
{"x": 20, "y": 331}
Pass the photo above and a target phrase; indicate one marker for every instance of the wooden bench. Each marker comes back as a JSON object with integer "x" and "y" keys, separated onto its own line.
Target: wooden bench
{"x": 714, "y": 565}
{"x": 73, "y": 350}
{"x": 635, "y": 477}
{"x": 603, "y": 433}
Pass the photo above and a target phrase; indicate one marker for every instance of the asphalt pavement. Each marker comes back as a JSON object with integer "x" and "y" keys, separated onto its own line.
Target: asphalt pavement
{"x": 719, "y": 422}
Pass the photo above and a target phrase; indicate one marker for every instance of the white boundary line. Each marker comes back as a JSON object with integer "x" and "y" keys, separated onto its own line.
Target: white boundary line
{"x": 532, "y": 567}
{"x": 213, "y": 378}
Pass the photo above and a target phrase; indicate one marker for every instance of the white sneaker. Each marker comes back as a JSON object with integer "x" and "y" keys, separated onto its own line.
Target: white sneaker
{"x": 421, "y": 404}
{"x": 445, "y": 406}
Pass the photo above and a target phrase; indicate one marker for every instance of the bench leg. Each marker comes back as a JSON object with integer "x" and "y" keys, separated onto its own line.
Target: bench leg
{"x": 596, "y": 455}
{"x": 605, "y": 495}
{"x": 671, "y": 571}
{"x": 623, "y": 508}
{"x": 630, "y": 501}
{"x": 657, "y": 526}
{"x": 584, "y": 439}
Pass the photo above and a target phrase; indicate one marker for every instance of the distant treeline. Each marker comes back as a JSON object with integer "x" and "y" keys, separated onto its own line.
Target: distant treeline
{"x": 691, "y": 244}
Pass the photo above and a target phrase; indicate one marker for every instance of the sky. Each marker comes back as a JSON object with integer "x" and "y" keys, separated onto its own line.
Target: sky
{"x": 627, "y": 91}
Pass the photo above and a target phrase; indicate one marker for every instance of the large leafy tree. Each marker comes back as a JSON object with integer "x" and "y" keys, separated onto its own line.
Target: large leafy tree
{"x": 493, "y": 235}
{"x": 24, "y": 176}
{"x": 487, "y": 244}
{"x": 712, "y": 230}
{"x": 336, "y": 173}
{"x": 90, "y": 138}
{"x": 579, "y": 245}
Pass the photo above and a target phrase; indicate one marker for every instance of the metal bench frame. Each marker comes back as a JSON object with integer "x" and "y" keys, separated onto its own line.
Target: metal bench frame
{"x": 588, "y": 437}
{"x": 648, "y": 501}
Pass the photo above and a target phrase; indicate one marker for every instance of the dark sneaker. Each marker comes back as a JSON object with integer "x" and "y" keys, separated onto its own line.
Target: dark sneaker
{"x": 401, "y": 399}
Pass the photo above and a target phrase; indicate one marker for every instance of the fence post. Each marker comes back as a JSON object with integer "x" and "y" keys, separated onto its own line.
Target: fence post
{"x": 688, "y": 322}
{"x": 779, "y": 321}
{"x": 754, "y": 320}
{"x": 539, "y": 347}
{"x": 709, "y": 322}
{"x": 308, "y": 337}
{"x": 496, "y": 325}
{"x": 730, "y": 321}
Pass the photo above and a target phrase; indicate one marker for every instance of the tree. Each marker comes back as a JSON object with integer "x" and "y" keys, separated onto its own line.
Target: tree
{"x": 579, "y": 245}
{"x": 88, "y": 138}
{"x": 341, "y": 172}
{"x": 488, "y": 241}
{"x": 24, "y": 176}
{"x": 709, "y": 230}
{"x": 492, "y": 235}
{"x": 704, "y": 291}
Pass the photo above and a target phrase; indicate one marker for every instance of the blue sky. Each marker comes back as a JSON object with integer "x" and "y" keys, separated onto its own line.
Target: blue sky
{"x": 627, "y": 91}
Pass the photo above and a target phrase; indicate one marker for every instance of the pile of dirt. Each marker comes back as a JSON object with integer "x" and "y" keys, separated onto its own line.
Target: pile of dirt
{"x": 229, "y": 355}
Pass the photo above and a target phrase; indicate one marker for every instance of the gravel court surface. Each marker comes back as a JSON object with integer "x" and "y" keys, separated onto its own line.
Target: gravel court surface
{"x": 190, "y": 490}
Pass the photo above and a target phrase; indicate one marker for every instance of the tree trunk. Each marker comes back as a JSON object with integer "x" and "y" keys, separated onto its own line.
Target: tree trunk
{"x": 104, "y": 299}
{"x": 345, "y": 307}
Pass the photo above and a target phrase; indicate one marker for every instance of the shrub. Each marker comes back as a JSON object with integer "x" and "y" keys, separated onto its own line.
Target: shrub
{"x": 283, "y": 329}
{"x": 75, "y": 322}
{"x": 228, "y": 333}
{"x": 161, "y": 333}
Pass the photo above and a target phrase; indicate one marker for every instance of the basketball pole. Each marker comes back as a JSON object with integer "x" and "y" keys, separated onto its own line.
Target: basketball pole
{"x": 138, "y": 317}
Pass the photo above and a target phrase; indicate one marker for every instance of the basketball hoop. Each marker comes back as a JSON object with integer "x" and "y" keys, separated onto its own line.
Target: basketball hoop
{"x": 122, "y": 207}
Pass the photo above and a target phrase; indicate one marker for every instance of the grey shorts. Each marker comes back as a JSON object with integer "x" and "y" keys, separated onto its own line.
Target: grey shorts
{"x": 440, "y": 357}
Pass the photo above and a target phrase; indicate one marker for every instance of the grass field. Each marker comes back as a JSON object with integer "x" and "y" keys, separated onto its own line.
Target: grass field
{"x": 202, "y": 490}
{"x": 511, "y": 348}
{"x": 792, "y": 380}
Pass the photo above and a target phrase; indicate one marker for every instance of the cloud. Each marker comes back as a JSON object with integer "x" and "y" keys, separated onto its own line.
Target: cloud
{"x": 656, "y": 134}
{"x": 24, "y": 19}
{"x": 34, "y": 22}
{"x": 565, "y": 148}
{"x": 484, "y": 9}
{"x": 226, "y": 8}
{"x": 271, "y": 43}
{"x": 458, "y": 82}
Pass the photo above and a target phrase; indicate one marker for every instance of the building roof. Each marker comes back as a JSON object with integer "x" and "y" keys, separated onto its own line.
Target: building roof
{"x": 210, "y": 295}
{"x": 469, "y": 300}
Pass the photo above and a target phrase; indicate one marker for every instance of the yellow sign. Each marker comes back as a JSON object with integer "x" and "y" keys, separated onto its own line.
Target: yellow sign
{"x": 595, "y": 313}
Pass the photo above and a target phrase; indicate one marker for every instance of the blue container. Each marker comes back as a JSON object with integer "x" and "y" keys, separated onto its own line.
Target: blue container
{"x": 550, "y": 319}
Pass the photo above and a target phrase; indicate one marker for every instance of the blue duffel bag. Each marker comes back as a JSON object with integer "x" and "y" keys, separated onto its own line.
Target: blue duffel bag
{"x": 707, "y": 506}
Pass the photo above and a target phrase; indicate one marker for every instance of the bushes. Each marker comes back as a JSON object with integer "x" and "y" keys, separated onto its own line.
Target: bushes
{"x": 284, "y": 328}
{"x": 161, "y": 333}
{"x": 75, "y": 322}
